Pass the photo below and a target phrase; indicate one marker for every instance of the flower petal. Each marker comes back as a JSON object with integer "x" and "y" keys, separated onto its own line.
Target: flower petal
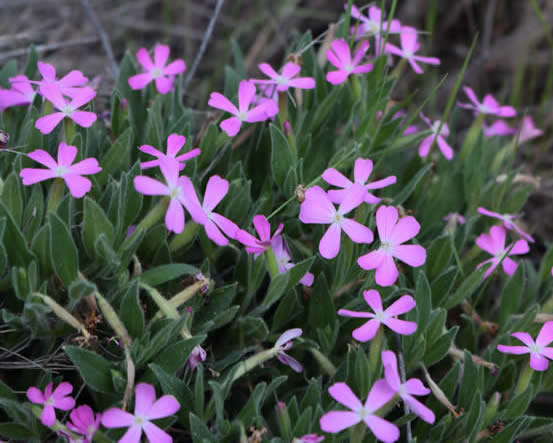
{"x": 367, "y": 331}
{"x": 372, "y": 260}
{"x": 215, "y": 190}
{"x": 357, "y": 232}
{"x": 219, "y": 101}
{"x": 161, "y": 54}
{"x": 336, "y": 178}
{"x": 419, "y": 409}
{"x": 231, "y": 126}
{"x": 164, "y": 84}
{"x": 382, "y": 429}
{"x": 413, "y": 255}
{"x": 538, "y": 362}
{"x": 31, "y": 176}
{"x": 83, "y": 118}
{"x": 336, "y": 421}
{"x": 288, "y": 336}
{"x": 343, "y": 394}
{"x": 546, "y": 334}
{"x": 246, "y": 94}
{"x": 156, "y": 434}
{"x": 164, "y": 406}
{"x": 140, "y": 81}
{"x": 402, "y": 305}
{"x": 405, "y": 229}
{"x": 174, "y": 217}
{"x": 149, "y": 186}
{"x": 386, "y": 219}
{"x": 386, "y": 273}
{"x": 47, "y": 123}
{"x": 78, "y": 185}
{"x": 116, "y": 418}
{"x": 373, "y": 299}
{"x": 35, "y": 395}
{"x": 402, "y": 327}
{"x": 329, "y": 246}
{"x": 144, "y": 58}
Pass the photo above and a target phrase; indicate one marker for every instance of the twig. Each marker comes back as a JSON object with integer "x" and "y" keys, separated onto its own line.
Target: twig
{"x": 402, "y": 377}
{"x": 49, "y": 47}
{"x": 203, "y": 46}
{"x": 102, "y": 35}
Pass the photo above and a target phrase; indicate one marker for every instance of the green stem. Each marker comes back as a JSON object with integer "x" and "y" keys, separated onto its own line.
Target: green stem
{"x": 252, "y": 362}
{"x": 69, "y": 130}
{"x": 323, "y": 360}
{"x": 358, "y": 432}
{"x": 151, "y": 218}
{"x": 355, "y": 88}
{"x": 283, "y": 106}
{"x": 271, "y": 263}
{"x": 472, "y": 136}
{"x": 185, "y": 237}
{"x": 56, "y": 194}
{"x": 374, "y": 352}
{"x": 524, "y": 379}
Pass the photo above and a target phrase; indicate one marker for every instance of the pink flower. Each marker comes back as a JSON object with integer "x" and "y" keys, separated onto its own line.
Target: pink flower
{"x": 382, "y": 316}
{"x": 373, "y": 24}
{"x": 246, "y": 95}
{"x": 198, "y": 355}
{"x": 64, "y": 168}
{"x": 309, "y": 438}
{"x": 494, "y": 243}
{"x": 361, "y": 172}
{"x": 455, "y": 218}
{"x": 528, "y": 130}
{"x": 68, "y": 85}
{"x": 393, "y": 234}
{"x": 409, "y": 46}
{"x": 58, "y": 399}
{"x": 80, "y": 98}
{"x": 20, "y": 94}
{"x": 203, "y": 214}
{"x": 440, "y": 138}
{"x": 174, "y": 188}
{"x": 146, "y": 408}
{"x": 263, "y": 228}
{"x": 406, "y": 390}
{"x": 488, "y": 106}
{"x": 538, "y": 351}
{"x": 284, "y": 343}
{"x": 83, "y": 421}
{"x": 317, "y": 208}
{"x": 157, "y": 71}
{"x": 508, "y": 222}
{"x": 174, "y": 144}
{"x": 284, "y": 261}
{"x": 286, "y": 79}
{"x": 379, "y": 395}
{"x": 497, "y": 128}
{"x": 339, "y": 55}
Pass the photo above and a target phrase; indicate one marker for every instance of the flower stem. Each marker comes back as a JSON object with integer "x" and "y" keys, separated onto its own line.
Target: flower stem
{"x": 374, "y": 352}
{"x": 252, "y": 362}
{"x": 524, "y": 379}
{"x": 472, "y": 135}
{"x": 56, "y": 194}
{"x": 357, "y": 432}
{"x": 355, "y": 88}
{"x": 69, "y": 130}
{"x": 271, "y": 262}
{"x": 151, "y": 218}
{"x": 185, "y": 237}
{"x": 323, "y": 360}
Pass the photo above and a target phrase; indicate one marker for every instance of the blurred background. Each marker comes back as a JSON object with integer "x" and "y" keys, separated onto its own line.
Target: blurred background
{"x": 513, "y": 57}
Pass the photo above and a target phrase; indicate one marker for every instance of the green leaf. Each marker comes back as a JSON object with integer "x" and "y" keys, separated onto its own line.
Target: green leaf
{"x": 94, "y": 369}
{"x": 176, "y": 355}
{"x": 95, "y": 222}
{"x": 18, "y": 252}
{"x": 281, "y": 157}
{"x": 511, "y": 296}
{"x": 12, "y": 196}
{"x": 64, "y": 258}
{"x": 131, "y": 313}
{"x": 322, "y": 311}
{"x": 199, "y": 432}
{"x": 410, "y": 187}
{"x": 423, "y": 297}
{"x": 276, "y": 290}
{"x": 117, "y": 158}
{"x": 467, "y": 288}
{"x": 164, "y": 273}
{"x": 438, "y": 350}
{"x": 16, "y": 431}
{"x": 172, "y": 385}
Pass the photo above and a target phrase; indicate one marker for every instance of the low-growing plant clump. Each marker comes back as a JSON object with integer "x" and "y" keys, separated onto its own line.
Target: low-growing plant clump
{"x": 316, "y": 262}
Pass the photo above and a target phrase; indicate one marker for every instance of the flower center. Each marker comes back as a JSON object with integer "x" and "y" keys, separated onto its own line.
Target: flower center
{"x": 387, "y": 247}
{"x": 281, "y": 80}
{"x": 337, "y": 218}
{"x": 402, "y": 391}
{"x": 67, "y": 110}
{"x": 363, "y": 413}
{"x": 139, "y": 420}
{"x": 61, "y": 171}
{"x": 49, "y": 402}
{"x": 535, "y": 348}
{"x": 348, "y": 68}
{"x": 408, "y": 54}
{"x": 175, "y": 192}
{"x": 380, "y": 316}
{"x": 436, "y": 127}
{"x": 484, "y": 109}
{"x": 156, "y": 73}
{"x": 500, "y": 254}
{"x": 242, "y": 116}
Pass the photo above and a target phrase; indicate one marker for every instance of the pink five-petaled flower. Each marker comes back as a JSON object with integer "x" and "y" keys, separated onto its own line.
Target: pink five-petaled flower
{"x": 20, "y": 94}
{"x": 213, "y": 223}
{"x": 80, "y": 98}
{"x": 406, "y": 390}
{"x": 84, "y": 422}
{"x": 317, "y": 208}
{"x": 263, "y": 228}
{"x": 508, "y": 222}
{"x": 157, "y": 70}
{"x": 58, "y": 399}
{"x": 174, "y": 144}
{"x": 286, "y": 79}
{"x": 409, "y": 46}
{"x": 488, "y": 106}
{"x": 284, "y": 343}
{"x": 379, "y": 395}
{"x": 64, "y": 168}
{"x": 174, "y": 188}
{"x": 427, "y": 142}
{"x": 528, "y": 130}
{"x": 373, "y": 24}
{"x": 146, "y": 408}
{"x": 361, "y": 172}
{"x": 494, "y": 243}
{"x": 68, "y": 84}
{"x": 393, "y": 234}
{"x": 246, "y": 95}
{"x": 382, "y": 316}
{"x": 538, "y": 351}
{"x": 284, "y": 260}
{"x": 339, "y": 54}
